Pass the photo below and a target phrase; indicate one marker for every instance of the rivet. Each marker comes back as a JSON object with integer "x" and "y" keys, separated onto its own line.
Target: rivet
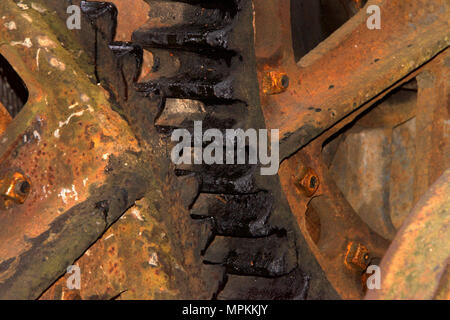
{"x": 275, "y": 82}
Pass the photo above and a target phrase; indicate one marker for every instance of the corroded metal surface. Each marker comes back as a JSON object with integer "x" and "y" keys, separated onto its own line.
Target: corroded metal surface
{"x": 433, "y": 156}
{"x": 432, "y": 122}
{"x": 88, "y": 166}
{"x": 414, "y": 266}
{"x": 111, "y": 162}
{"x": 5, "y": 118}
{"x": 329, "y": 223}
{"x": 354, "y": 67}
{"x": 361, "y": 168}
{"x": 62, "y": 140}
{"x": 131, "y": 16}
{"x": 231, "y": 236}
{"x": 135, "y": 250}
{"x": 348, "y": 69}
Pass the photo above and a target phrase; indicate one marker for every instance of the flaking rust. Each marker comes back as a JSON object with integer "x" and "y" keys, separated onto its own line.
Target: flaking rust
{"x": 109, "y": 269}
{"x": 71, "y": 133}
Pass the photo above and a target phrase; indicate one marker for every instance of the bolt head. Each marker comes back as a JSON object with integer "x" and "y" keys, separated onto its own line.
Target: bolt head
{"x": 275, "y": 82}
{"x": 357, "y": 256}
{"x": 14, "y": 189}
{"x": 307, "y": 182}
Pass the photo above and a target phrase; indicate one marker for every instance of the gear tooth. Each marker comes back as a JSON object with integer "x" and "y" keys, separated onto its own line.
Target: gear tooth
{"x": 182, "y": 113}
{"x": 127, "y": 59}
{"x": 178, "y": 113}
{"x": 182, "y": 37}
{"x": 178, "y": 13}
{"x": 265, "y": 257}
{"x": 236, "y": 215}
{"x": 293, "y": 286}
{"x": 182, "y": 88}
{"x": 186, "y": 65}
{"x": 201, "y": 208}
{"x": 213, "y": 184}
{"x": 218, "y": 251}
{"x": 129, "y": 56}
{"x": 121, "y": 49}
{"x": 182, "y": 171}
{"x": 229, "y": 5}
{"x": 215, "y": 277}
{"x": 206, "y": 233}
{"x": 222, "y": 178}
{"x": 189, "y": 191}
{"x": 190, "y": 168}
{"x": 103, "y": 15}
{"x": 95, "y": 9}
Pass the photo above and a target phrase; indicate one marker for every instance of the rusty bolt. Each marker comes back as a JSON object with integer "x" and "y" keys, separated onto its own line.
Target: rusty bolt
{"x": 275, "y": 82}
{"x": 14, "y": 189}
{"x": 307, "y": 182}
{"x": 357, "y": 256}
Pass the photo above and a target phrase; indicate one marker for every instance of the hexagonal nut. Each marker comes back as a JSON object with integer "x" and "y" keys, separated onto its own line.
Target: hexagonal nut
{"x": 357, "y": 257}
{"x": 14, "y": 189}
{"x": 275, "y": 82}
{"x": 307, "y": 182}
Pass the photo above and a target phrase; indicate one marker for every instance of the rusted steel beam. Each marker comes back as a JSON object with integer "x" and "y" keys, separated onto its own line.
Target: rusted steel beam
{"x": 70, "y": 144}
{"x": 415, "y": 265}
{"x": 350, "y": 68}
{"x": 437, "y": 62}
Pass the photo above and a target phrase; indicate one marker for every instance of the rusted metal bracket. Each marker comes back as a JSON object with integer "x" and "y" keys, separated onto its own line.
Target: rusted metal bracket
{"x": 314, "y": 215}
{"x": 349, "y": 69}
